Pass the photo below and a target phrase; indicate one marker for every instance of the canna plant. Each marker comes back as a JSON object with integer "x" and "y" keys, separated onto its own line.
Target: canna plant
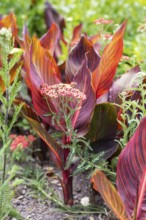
{"x": 65, "y": 97}
{"x": 128, "y": 201}
{"x": 85, "y": 73}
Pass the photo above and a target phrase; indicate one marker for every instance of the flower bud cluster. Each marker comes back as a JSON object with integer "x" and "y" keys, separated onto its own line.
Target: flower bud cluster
{"x": 21, "y": 141}
{"x": 62, "y": 90}
{"x": 103, "y": 21}
{"x": 6, "y": 33}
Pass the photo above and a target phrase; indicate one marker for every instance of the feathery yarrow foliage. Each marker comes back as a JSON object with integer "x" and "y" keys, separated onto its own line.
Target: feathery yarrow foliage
{"x": 9, "y": 69}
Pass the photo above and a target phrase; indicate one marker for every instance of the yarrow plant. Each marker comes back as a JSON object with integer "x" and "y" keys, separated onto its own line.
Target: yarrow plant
{"x": 133, "y": 108}
{"x": 102, "y": 25}
{"x": 9, "y": 72}
{"x": 103, "y": 21}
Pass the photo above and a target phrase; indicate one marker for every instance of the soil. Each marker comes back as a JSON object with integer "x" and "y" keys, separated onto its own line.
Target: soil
{"x": 37, "y": 208}
{"x": 32, "y": 207}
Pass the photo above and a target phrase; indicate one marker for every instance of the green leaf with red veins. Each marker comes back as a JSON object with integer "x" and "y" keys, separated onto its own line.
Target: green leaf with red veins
{"x": 50, "y": 40}
{"x": 131, "y": 173}
{"x": 102, "y": 77}
{"x": 109, "y": 193}
{"x": 83, "y": 116}
{"x": 83, "y": 50}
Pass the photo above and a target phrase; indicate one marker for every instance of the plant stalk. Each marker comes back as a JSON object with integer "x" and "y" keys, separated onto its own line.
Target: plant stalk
{"x": 67, "y": 181}
{"x": 6, "y": 122}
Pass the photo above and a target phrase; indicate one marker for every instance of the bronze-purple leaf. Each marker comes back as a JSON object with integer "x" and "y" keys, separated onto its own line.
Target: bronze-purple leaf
{"x": 84, "y": 49}
{"x": 83, "y": 116}
{"x": 131, "y": 173}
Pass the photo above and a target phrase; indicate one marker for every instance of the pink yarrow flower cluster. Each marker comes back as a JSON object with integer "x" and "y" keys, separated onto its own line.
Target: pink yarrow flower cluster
{"x": 21, "y": 141}
{"x": 62, "y": 90}
{"x": 125, "y": 58}
{"x": 103, "y": 21}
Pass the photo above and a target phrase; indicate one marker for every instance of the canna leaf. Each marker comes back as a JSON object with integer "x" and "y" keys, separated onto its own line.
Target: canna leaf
{"x": 52, "y": 16}
{"x": 83, "y": 50}
{"x": 108, "y": 147}
{"x": 9, "y": 21}
{"x": 104, "y": 118}
{"x": 103, "y": 129}
{"x": 76, "y": 35}
{"x": 83, "y": 116}
{"x": 43, "y": 68}
{"x": 103, "y": 75}
{"x": 27, "y": 110}
{"x": 141, "y": 209}
{"x": 109, "y": 193}
{"x": 131, "y": 173}
{"x": 51, "y": 143}
{"x": 126, "y": 81}
{"x": 26, "y": 57}
{"x": 34, "y": 121}
{"x": 13, "y": 73}
{"x": 50, "y": 40}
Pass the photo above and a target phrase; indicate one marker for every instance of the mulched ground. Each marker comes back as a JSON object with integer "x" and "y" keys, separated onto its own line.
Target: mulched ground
{"x": 36, "y": 208}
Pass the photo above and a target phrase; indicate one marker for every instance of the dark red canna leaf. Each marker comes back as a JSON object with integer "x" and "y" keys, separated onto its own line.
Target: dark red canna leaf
{"x": 102, "y": 77}
{"x": 76, "y": 35}
{"x": 107, "y": 147}
{"x": 141, "y": 208}
{"x": 52, "y": 16}
{"x": 25, "y": 44}
{"x": 110, "y": 195}
{"x": 28, "y": 111}
{"x": 50, "y": 40}
{"x": 34, "y": 121}
{"x": 43, "y": 68}
{"x": 131, "y": 173}
{"x": 83, "y": 50}
{"x": 83, "y": 116}
{"x": 124, "y": 82}
{"x": 51, "y": 143}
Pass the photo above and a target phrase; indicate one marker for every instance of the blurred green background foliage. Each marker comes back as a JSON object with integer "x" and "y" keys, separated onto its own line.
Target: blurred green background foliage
{"x": 31, "y": 12}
